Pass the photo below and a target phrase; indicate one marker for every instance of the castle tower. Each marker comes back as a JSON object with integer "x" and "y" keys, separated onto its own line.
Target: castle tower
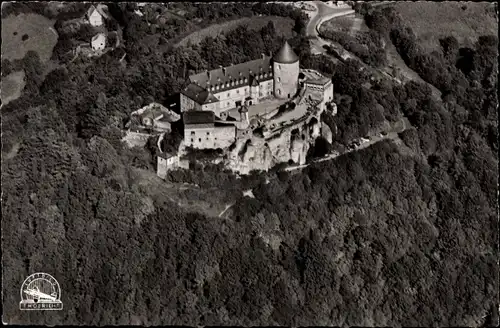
{"x": 254, "y": 89}
{"x": 286, "y": 72}
{"x": 244, "y": 114}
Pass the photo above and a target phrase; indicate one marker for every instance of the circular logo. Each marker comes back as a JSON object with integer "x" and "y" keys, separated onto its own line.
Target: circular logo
{"x": 40, "y": 291}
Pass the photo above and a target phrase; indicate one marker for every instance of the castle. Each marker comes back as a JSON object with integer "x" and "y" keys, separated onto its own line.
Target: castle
{"x": 269, "y": 82}
{"x": 247, "y": 83}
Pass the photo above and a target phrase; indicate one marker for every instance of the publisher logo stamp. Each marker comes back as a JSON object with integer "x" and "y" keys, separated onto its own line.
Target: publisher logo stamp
{"x": 40, "y": 291}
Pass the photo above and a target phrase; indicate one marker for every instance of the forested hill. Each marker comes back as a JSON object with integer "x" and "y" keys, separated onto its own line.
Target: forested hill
{"x": 399, "y": 234}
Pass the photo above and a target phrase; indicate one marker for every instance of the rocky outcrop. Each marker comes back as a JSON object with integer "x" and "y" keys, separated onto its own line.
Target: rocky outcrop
{"x": 326, "y": 132}
{"x": 262, "y": 154}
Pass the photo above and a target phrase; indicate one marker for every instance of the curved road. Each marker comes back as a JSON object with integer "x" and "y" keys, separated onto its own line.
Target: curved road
{"x": 322, "y": 14}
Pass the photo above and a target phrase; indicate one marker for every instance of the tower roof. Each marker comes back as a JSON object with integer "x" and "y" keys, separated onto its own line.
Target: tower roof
{"x": 286, "y": 55}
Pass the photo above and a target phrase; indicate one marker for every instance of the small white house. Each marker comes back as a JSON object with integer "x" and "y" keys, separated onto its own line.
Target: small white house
{"x": 97, "y": 14}
{"x": 98, "y": 41}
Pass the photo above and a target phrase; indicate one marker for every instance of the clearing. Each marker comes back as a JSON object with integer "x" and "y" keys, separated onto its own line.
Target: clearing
{"x": 431, "y": 21}
{"x": 283, "y": 27}
{"x": 26, "y": 32}
{"x": 350, "y": 24}
{"x": 11, "y": 87}
{"x": 189, "y": 197}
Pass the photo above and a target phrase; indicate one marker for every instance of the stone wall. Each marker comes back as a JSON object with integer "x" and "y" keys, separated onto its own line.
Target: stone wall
{"x": 224, "y": 136}
{"x": 210, "y": 137}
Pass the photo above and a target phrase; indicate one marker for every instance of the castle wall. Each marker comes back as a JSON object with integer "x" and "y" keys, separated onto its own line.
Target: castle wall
{"x": 328, "y": 92}
{"x": 286, "y": 78}
{"x": 266, "y": 89}
{"x": 188, "y": 104}
{"x": 164, "y": 165}
{"x": 162, "y": 125}
{"x": 210, "y": 137}
{"x": 224, "y": 136}
{"x": 228, "y": 98}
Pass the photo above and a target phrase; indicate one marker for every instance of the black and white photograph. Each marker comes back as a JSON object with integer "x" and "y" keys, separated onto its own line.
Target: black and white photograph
{"x": 250, "y": 163}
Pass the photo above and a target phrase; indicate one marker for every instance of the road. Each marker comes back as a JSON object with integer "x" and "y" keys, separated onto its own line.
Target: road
{"x": 393, "y": 135}
{"x": 322, "y": 14}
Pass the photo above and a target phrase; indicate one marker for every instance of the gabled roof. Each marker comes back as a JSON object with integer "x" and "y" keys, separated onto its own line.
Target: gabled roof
{"x": 230, "y": 77}
{"x": 198, "y": 94}
{"x": 255, "y": 82}
{"x": 198, "y": 117}
{"x": 166, "y": 155}
{"x": 286, "y": 55}
{"x": 100, "y": 8}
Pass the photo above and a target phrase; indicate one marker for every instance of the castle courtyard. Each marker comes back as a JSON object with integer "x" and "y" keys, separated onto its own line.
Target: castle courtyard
{"x": 262, "y": 108}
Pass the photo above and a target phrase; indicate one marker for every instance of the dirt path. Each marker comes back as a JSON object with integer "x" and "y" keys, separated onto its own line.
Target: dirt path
{"x": 395, "y": 61}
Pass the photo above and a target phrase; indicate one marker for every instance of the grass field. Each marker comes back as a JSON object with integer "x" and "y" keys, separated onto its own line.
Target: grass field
{"x": 350, "y": 24}
{"x": 283, "y": 27}
{"x": 431, "y": 21}
{"x": 26, "y": 32}
{"x": 11, "y": 87}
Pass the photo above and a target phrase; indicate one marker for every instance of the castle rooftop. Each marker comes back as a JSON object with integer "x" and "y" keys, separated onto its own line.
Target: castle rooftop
{"x": 198, "y": 117}
{"x": 286, "y": 55}
{"x": 199, "y": 94}
{"x": 234, "y": 76}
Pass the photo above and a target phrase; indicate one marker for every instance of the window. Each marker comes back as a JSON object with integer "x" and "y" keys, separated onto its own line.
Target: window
{"x": 199, "y": 139}
{"x": 192, "y": 133}
{"x": 192, "y": 140}
{"x": 279, "y": 79}
{"x": 279, "y": 66}
{"x": 208, "y": 133}
{"x": 246, "y": 80}
{"x": 238, "y": 91}
{"x": 215, "y": 138}
{"x": 228, "y": 94}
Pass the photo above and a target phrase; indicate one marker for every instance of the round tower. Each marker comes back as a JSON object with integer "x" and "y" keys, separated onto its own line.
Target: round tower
{"x": 286, "y": 72}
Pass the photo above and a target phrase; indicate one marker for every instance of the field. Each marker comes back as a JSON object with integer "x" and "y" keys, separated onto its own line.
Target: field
{"x": 26, "y": 32}
{"x": 350, "y": 24}
{"x": 431, "y": 21}
{"x": 283, "y": 27}
{"x": 12, "y": 85}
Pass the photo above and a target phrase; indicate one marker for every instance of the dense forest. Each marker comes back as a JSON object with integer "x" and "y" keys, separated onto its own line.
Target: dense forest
{"x": 396, "y": 234}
